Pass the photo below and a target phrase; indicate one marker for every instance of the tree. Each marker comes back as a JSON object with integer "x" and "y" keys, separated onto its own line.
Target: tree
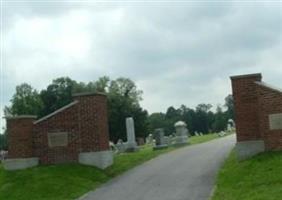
{"x": 156, "y": 120}
{"x": 80, "y": 87}
{"x": 202, "y": 122}
{"x": 123, "y": 101}
{"x": 26, "y": 101}
{"x": 124, "y": 97}
{"x": 57, "y": 94}
{"x": 203, "y": 107}
{"x": 220, "y": 121}
{"x": 190, "y": 118}
{"x": 102, "y": 84}
{"x": 200, "y": 119}
{"x": 3, "y": 140}
{"x": 229, "y": 104}
{"x": 172, "y": 115}
{"x": 141, "y": 121}
{"x": 125, "y": 87}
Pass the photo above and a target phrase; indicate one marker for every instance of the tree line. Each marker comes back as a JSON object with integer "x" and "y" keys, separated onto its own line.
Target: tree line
{"x": 123, "y": 101}
{"x": 201, "y": 119}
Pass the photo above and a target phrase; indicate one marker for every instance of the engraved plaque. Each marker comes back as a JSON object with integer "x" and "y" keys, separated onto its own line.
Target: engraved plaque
{"x": 59, "y": 139}
{"x": 275, "y": 121}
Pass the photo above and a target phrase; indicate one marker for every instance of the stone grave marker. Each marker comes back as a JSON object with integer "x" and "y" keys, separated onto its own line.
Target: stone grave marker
{"x": 181, "y": 137}
{"x": 160, "y": 141}
{"x": 131, "y": 144}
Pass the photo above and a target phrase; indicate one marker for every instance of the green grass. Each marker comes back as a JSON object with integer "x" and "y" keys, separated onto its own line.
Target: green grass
{"x": 69, "y": 181}
{"x": 50, "y": 182}
{"x": 201, "y": 139}
{"x": 259, "y": 178}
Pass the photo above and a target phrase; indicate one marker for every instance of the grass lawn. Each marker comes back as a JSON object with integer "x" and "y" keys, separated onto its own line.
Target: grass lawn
{"x": 69, "y": 181}
{"x": 201, "y": 139}
{"x": 259, "y": 178}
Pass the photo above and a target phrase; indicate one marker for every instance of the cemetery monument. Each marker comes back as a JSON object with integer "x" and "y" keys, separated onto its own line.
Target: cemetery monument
{"x": 160, "y": 140}
{"x": 181, "y": 135}
{"x": 131, "y": 144}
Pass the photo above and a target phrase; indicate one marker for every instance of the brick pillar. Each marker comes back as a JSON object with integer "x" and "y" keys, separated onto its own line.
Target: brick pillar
{"x": 19, "y": 130}
{"x": 93, "y": 120}
{"x": 246, "y": 106}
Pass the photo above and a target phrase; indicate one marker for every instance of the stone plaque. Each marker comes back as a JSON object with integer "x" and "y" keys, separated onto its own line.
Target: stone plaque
{"x": 59, "y": 139}
{"x": 275, "y": 121}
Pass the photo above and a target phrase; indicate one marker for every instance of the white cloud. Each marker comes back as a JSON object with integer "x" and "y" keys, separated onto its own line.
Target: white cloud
{"x": 177, "y": 54}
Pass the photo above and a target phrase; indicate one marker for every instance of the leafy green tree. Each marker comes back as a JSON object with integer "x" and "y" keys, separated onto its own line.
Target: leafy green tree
{"x": 57, "y": 94}
{"x": 172, "y": 115}
{"x": 102, "y": 84}
{"x": 156, "y": 120}
{"x": 202, "y": 116}
{"x": 200, "y": 119}
{"x": 123, "y": 101}
{"x": 26, "y": 101}
{"x": 124, "y": 97}
{"x": 190, "y": 119}
{"x": 140, "y": 117}
{"x": 80, "y": 87}
{"x": 220, "y": 121}
{"x": 229, "y": 104}
{"x": 3, "y": 140}
{"x": 125, "y": 87}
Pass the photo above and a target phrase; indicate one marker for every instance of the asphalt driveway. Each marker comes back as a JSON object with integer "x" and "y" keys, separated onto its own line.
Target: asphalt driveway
{"x": 185, "y": 174}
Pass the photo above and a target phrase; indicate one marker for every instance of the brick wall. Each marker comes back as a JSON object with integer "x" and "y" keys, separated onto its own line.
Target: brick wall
{"x": 64, "y": 121}
{"x": 84, "y": 120}
{"x": 94, "y": 122}
{"x": 270, "y": 102}
{"x": 254, "y": 101}
{"x": 20, "y": 136}
{"x": 246, "y": 110}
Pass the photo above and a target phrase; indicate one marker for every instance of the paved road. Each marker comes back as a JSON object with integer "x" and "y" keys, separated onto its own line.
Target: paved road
{"x": 184, "y": 174}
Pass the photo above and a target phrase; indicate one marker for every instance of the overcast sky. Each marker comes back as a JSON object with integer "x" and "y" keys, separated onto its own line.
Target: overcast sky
{"x": 177, "y": 53}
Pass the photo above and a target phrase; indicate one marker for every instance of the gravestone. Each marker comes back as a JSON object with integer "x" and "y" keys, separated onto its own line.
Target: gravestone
{"x": 221, "y": 133}
{"x": 160, "y": 140}
{"x": 181, "y": 135}
{"x": 113, "y": 147}
{"x": 166, "y": 140}
{"x": 171, "y": 139}
{"x": 131, "y": 144}
{"x": 230, "y": 125}
{"x": 121, "y": 147}
{"x": 149, "y": 139}
{"x": 3, "y": 154}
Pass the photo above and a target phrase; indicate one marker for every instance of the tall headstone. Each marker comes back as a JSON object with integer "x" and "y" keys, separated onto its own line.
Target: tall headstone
{"x": 181, "y": 135}
{"x": 230, "y": 125}
{"x": 131, "y": 144}
{"x": 160, "y": 140}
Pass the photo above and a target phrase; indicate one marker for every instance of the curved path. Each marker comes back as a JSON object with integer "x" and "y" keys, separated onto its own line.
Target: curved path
{"x": 185, "y": 174}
